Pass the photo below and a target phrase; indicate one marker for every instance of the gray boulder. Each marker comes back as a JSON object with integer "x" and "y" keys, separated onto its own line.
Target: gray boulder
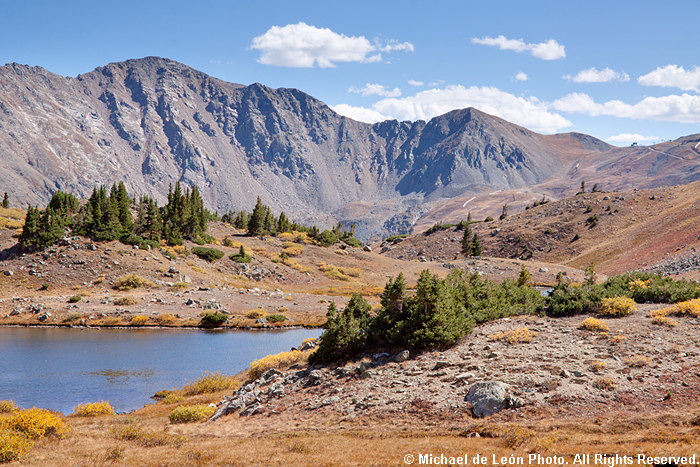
{"x": 402, "y": 356}
{"x": 488, "y": 397}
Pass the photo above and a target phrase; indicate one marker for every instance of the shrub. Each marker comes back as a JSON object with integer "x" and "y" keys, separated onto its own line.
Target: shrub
{"x": 604, "y": 384}
{"x": 638, "y": 361}
{"x": 597, "y": 366}
{"x": 396, "y": 238}
{"x": 208, "y": 254}
{"x": 515, "y": 336}
{"x": 256, "y": 313}
{"x": 241, "y": 256}
{"x": 230, "y": 243}
{"x": 132, "y": 281}
{"x": 179, "y": 286}
{"x": 617, "y": 306}
{"x": 191, "y": 413}
{"x": 134, "y": 432}
{"x": 592, "y": 324}
{"x": 13, "y": 445}
{"x": 292, "y": 249}
{"x": 352, "y": 241}
{"x": 93, "y": 409}
{"x": 139, "y": 320}
{"x": 213, "y": 319}
{"x": 664, "y": 321}
{"x": 333, "y": 272}
{"x": 72, "y": 317}
{"x": 165, "y": 319}
{"x": 210, "y": 382}
{"x": 8, "y": 407}
{"x": 438, "y": 227}
{"x": 126, "y": 300}
{"x": 327, "y": 238}
{"x": 280, "y": 360}
{"x": 75, "y": 299}
{"x": 36, "y": 423}
{"x": 276, "y": 318}
{"x": 173, "y": 397}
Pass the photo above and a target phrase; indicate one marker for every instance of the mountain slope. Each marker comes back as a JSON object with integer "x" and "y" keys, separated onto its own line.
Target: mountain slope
{"x": 153, "y": 121}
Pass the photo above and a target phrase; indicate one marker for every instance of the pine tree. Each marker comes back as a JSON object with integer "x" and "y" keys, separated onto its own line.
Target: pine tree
{"x": 6, "y": 201}
{"x": 256, "y": 223}
{"x": 469, "y": 217}
{"x": 524, "y": 276}
{"x": 394, "y": 295}
{"x": 475, "y": 245}
{"x": 241, "y": 221}
{"x": 467, "y": 241}
{"x": 30, "y": 232}
{"x": 123, "y": 208}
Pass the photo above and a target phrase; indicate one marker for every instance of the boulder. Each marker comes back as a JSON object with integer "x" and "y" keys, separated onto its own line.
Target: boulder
{"x": 489, "y": 397}
{"x": 402, "y": 356}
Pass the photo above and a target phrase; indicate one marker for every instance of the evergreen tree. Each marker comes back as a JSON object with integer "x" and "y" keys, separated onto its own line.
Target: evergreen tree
{"x": 124, "y": 208}
{"x": 6, "y": 201}
{"x": 467, "y": 241}
{"x": 30, "y": 232}
{"x": 394, "y": 294}
{"x": 256, "y": 223}
{"x": 524, "y": 276}
{"x": 469, "y": 217}
{"x": 475, "y": 245}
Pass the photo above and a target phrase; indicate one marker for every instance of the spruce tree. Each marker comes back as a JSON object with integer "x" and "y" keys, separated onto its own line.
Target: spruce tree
{"x": 467, "y": 241}
{"x": 6, "y": 201}
{"x": 30, "y": 232}
{"x": 256, "y": 223}
{"x": 475, "y": 245}
{"x": 123, "y": 208}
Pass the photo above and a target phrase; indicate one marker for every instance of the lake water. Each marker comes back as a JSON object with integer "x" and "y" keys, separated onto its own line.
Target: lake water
{"x": 58, "y": 368}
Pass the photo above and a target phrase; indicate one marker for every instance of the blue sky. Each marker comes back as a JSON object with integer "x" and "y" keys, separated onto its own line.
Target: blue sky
{"x": 606, "y": 68}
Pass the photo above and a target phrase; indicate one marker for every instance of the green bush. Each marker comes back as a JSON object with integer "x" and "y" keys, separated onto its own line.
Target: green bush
{"x": 191, "y": 413}
{"x": 75, "y": 299}
{"x": 396, "y": 238}
{"x": 208, "y": 254}
{"x": 437, "y": 228}
{"x": 276, "y": 318}
{"x": 327, "y": 238}
{"x": 241, "y": 256}
{"x": 352, "y": 241}
{"x": 213, "y": 319}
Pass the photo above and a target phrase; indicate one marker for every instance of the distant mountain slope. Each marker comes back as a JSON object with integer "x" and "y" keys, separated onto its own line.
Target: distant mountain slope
{"x": 153, "y": 121}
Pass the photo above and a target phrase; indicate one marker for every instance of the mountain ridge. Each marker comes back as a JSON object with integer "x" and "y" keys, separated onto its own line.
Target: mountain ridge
{"x": 154, "y": 121}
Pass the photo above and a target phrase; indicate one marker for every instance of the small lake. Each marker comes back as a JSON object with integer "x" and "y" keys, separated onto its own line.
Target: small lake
{"x": 58, "y": 368}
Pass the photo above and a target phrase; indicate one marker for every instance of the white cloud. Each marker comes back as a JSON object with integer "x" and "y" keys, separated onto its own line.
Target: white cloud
{"x": 593, "y": 75}
{"x": 549, "y": 50}
{"x": 413, "y": 82}
{"x": 684, "y": 108}
{"x": 361, "y": 114}
{"x": 370, "y": 89}
{"x": 673, "y": 76}
{"x": 303, "y": 46}
{"x": 521, "y": 76}
{"x": 430, "y": 103}
{"x": 628, "y": 138}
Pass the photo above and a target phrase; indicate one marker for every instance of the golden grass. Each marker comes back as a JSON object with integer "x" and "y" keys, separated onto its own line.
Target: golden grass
{"x": 139, "y": 320}
{"x": 515, "y": 336}
{"x": 191, "y": 413}
{"x": 604, "y": 384}
{"x": 638, "y": 361}
{"x": 132, "y": 431}
{"x": 93, "y": 409}
{"x": 593, "y": 324}
{"x": 198, "y": 269}
{"x": 211, "y": 382}
{"x": 664, "y": 321}
{"x": 12, "y": 218}
{"x": 280, "y": 360}
{"x": 166, "y": 319}
{"x": 256, "y": 313}
{"x": 292, "y": 249}
{"x": 132, "y": 281}
{"x": 597, "y": 366}
{"x": 126, "y": 300}
{"x": 617, "y": 306}
{"x": 333, "y": 272}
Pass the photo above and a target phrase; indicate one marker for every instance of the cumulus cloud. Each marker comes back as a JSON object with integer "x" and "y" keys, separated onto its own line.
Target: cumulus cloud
{"x": 673, "y": 76}
{"x": 303, "y": 46}
{"x": 413, "y": 82}
{"x": 548, "y": 50}
{"x": 593, "y": 75}
{"x": 521, "y": 76}
{"x": 430, "y": 103}
{"x": 683, "y": 108}
{"x": 628, "y": 138}
{"x": 361, "y": 114}
{"x": 370, "y": 89}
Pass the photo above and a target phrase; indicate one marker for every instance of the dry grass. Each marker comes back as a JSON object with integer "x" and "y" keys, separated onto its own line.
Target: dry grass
{"x": 597, "y": 366}
{"x": 139, "y": 320}
{"x": 604, "y": 384}
{"x": 8, "y": 407}
{"x": 280, "y": 360}
{"x": 126, "y": 300}
{"x": 292, "y": 249}
{"x": 166, "y": 319}
{"x": 133, "y": 431}
{"x": 191, "y": 413}
{"x": 593, "y": 324}
{"x": 12, "y": 218}
{"x": 638, "y": 361}
{"x": 132, "y": 281}
{"x": 93, "y": 409}
{"x": 198, "y": 269}
{"x": 256, "y": 313}
{"x": 515, "y": 336}
{"x": 211, "y": 382}
{"x": 664, "y": 321}
{"x": 617, "y": 307}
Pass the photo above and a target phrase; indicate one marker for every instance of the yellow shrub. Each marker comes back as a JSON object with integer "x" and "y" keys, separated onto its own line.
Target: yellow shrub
{"x": 598, "y": 366}
{"x": 292, "y": 249}
{"x": 191, "y": 413}
{"x": 147, "y": 438}
{"x": 333, "y": 272}
{"x": 139, "y": 320}
{"x": 515, "y": 336}
{"x": 286, "y": 236}
{"x": 181, "y": 250}
{"x": 179, "y": 286}
{"x": 231, "y": 243}
{"x": 8, "y": 407}
{"x": 617, "y": 306}
{"x": 638, "y": 284}
{"x": 293, "y": 264}
{"x": 132, "y": 281}
{"x": 93, "y": 409}
{"x": 354, "y": 272}
{"x": 173, "y": 397}
{"x": 210, "y": 382}
{"x": 13, "y": 445}
{"x": 126, "y": 300}
{"x": 199, "y": 270}
{"x": 664, "y": 321}
{"x": 592, "y": 324}
{"x": 166, "y": 319}
{"x": 638, "y": 361}
{"x": 256, "y": 313}
{"x": 35, "y": 423}
{"x": 690, "y": 307}
{"x": 280, "y": 360}
{"x": 618, "y": 339}
{"x": 604, "y": 384}
{"x": 282, "y": 309}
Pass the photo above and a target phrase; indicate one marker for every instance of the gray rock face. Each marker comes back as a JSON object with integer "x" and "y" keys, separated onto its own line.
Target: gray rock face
{"x": 154, "y": 121}
{"x": 488, "y": 397}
